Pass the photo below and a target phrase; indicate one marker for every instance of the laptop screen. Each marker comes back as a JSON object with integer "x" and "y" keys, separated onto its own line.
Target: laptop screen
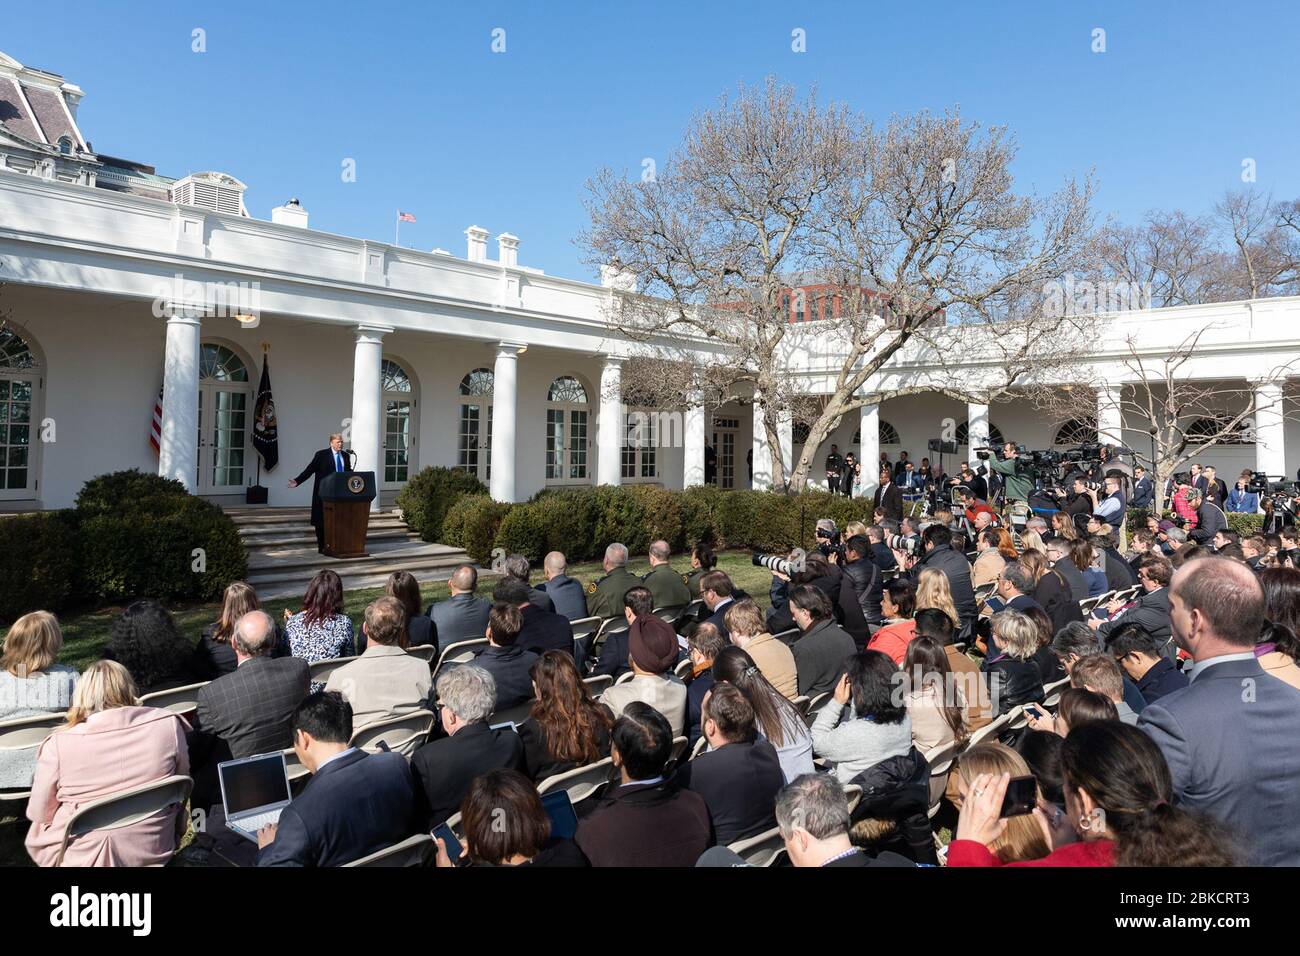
{"x": 252, "y": 783}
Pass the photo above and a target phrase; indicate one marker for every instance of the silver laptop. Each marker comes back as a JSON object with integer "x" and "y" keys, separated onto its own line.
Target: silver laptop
{"x": 253, "y": 791}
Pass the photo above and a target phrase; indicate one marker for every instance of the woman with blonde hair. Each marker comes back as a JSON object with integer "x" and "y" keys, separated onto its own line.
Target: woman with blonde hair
{"x": 932, "y": 590}
{"x": 109, "y": 744}
{"x": 31, "y": 684}
{"x": 852, "y": 529}
{"x": 1023, "y": 838}
{"x": 1031, "y": 541}
{"x": 1063, "y": 526}
{"x": 1014, "y": 678}
{"x": 214, "y": 655}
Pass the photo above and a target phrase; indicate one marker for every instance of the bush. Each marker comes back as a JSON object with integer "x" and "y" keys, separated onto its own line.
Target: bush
{"x": 166, "y": 548}
{"x": 114, "y": 492}
{"x": 663, "y": 514}
{"x": 38, "y": 570}
{"x": 523, "y": 531}
{"x": 1244, "y": 524}
{"x": 699, "y": 507}
{"x": 430, "y": 494}
{"x": 472, "y": 524}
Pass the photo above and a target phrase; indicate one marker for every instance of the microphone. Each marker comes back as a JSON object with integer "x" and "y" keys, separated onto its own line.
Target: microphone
{"x": 352, "y": 455}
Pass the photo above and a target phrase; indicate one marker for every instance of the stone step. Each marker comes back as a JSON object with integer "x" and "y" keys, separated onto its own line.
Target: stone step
{"x": 301, "y": 537}
{"x": 292, "y": 571}
{"x": 288, "y": 527}
{"x": 273, "y": 516}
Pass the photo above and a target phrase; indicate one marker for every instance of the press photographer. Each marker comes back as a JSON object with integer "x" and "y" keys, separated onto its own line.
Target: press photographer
{"x": 1017, "y": 472}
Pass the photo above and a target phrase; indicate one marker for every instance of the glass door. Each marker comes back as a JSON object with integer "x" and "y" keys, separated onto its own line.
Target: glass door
{"x": 223, "y": 439}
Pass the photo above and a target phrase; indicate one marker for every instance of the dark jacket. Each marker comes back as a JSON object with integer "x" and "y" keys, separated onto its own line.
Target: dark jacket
{"x": 1073, "y": 577}
{"x": 957, "y": 568}
{"x": 545, "y": 631}
{"x": 1013, "y": 682}
{"x": 445, "y": 768}
{"x": 1053, "y": 595}
{"x": 509, "y": 667}
{"x": 867, "y": 583}
{"x": 420, "y": 631}
{"x": 819, "y": 657}
{"x": 848, "y": 609}
{"x": 695, "y": 692}
{"x": 1161, "y": 680}
{"x": 658, "y": 824}
{"x": 321, "y": 465}
{"x": 739, "y": 783}
{"x": 889, "y": 504}
{"x": 566, "y": 593}
{"x": 898, "y": 789}
{"x": 462, "y": 617}
{"x": 613, "y": 655}
{"x": 539, "y": 762}
{"x": 883, "y": 557}
{"x": 1209, "y": 520}
{"x": 1151, "y": 613}
{"x": 1143, "y": 494}
{"x": 357, "y": 804}
{"x": 1118, "y": 573}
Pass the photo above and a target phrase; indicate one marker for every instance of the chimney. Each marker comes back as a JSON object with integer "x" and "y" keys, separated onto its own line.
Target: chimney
{"x": 477, "y": 244}
{"x": 290, "y": 214}
{"x": 508, "y": 250}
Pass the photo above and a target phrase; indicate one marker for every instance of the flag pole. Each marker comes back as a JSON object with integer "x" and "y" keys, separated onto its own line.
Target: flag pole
{"x": 397, "y": 229}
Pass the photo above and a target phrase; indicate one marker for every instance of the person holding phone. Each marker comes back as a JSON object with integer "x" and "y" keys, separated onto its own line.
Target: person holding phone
{"x": 1119, "y": 799}
{"x": 1023, "y": 838}
{"x": 505, "y": 824}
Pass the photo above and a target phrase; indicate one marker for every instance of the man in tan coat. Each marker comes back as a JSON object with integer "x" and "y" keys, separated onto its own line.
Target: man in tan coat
{"x": 772, "y": 657}
{"x": 385, "y": 681}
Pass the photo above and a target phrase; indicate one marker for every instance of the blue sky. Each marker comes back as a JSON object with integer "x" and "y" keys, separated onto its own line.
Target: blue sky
{"x": 442, "y": 127}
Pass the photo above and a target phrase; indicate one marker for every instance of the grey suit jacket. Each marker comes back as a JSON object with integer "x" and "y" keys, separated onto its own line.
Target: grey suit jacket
{"x": 249, "y": 710}
{"x": 1229, "y": 738}
{"x": 460, "y": 618}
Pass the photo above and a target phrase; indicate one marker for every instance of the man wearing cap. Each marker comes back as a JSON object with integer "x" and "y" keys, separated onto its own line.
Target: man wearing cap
{"x": 652, "y": 652}
{"x": 664, "y": 583}
{"x": 1210, "y": 518}
{"x": 605, "y": 594}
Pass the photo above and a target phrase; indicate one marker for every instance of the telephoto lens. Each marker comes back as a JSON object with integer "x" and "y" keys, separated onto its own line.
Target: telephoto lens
{"x": 772, "y": 562}
{"x": 899, "y": 542}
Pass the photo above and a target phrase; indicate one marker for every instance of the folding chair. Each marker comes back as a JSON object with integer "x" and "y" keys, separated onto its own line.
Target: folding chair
{"x": 598, "y": 685}
{"x": 584, "y": 628}
{"x": 940, "y": 760}
{"x": 513, "y": 715}
{"x": 1018, "y": 718}
{"x": 684, "y": 668}
{"x": 669, "y": 614}
{"x": 984, "y": 590}
{"x": 788, "y": 636}
{"x": 293, "y": 766}
{"x": 580, "y": 782}
{"x": 817, "y": 703}
{"x": 624, "y": 677}
{"x": 179, "y": 700}
{"x": 410, "y": 852}
{"x": 320, "y": 671}
{"x": 801, "y": 704}
{"x": 462, "y": 652}
{"x": 403, "y": 734}
{"x": 425, "y": 653}
{"x": 613, "y": 625}
{"x": 1052, "y": 692}
{"x": 26, "y": 733}
{"x": 853, "y": 793}
{"x": 679, "y": 747}
{"x": 761, "y": 850}
{"x": 689, "y": 613}
{"x": 991, "y": 729}
{"x": 701, "y": 745}
{"x": 123, "y": 809}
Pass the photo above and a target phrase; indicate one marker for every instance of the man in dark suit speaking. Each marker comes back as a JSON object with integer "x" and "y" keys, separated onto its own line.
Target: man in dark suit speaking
{"x": 324, "y": 462}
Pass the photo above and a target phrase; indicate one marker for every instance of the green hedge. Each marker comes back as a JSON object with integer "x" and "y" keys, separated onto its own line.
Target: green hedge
{"x": 38, "y": 568}
{"x": 131, "y": 535}
{"x": 472, "y": 523}
{"x": 1244, "y": 524}
{"x": 430, "y": 494}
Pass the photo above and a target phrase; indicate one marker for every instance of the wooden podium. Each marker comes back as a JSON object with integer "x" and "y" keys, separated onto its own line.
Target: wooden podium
{"x": 346, "y": 497}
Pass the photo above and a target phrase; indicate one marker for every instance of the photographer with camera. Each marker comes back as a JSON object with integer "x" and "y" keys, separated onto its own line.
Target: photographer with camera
{"x": 1275, "y": 518}
{"x": 789, "y": 574}
{"x": 1110, "y": 507}
{"x": 936, "y": 541}
{"x": 864, "y": 579}
{"x": 1078, "y": 499}
{"x": 880, "y": 553}
{"x": 1209, "y": 517}
{"x": 1018, "y": 482}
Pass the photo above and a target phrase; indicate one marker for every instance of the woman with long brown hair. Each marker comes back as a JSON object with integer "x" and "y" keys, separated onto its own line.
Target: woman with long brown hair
{"x": 214, "y": 655}
{"x": 934, "y": 700}
{"x": 1279, "y": 648}
{"x": 1051, "y": 590}
{"x": 419, "y": 626}
{"x": 566, "y": 728}
{"x": 777, "y": 718}
{"x": 1063, "y": 526}
{"x": 1006, "y": 544}
{"x": 321, "y": 631}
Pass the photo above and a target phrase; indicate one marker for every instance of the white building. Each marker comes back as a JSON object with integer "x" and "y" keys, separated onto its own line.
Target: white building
{"x": 121, "y": 281}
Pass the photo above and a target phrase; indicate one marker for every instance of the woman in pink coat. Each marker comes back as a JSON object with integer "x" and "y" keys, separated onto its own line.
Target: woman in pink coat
{"x": 110, "y": 744}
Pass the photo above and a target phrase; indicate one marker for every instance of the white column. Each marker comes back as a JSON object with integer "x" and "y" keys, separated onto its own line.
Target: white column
{"x": 1270, "y": 442}
{"x": 1110, "y": 424}
{"x": 762, "y": 457}
{"x": 178, "y": 453}
{"x": 609, "y": 429}
{"x": 977, "y": 430}
{"x": 693, "y": 431}
{"x": 785, "y": 432}
{"x": 869, "y": 448}
{"x": 367, "y": 403}
{"x": 504, "y": 388}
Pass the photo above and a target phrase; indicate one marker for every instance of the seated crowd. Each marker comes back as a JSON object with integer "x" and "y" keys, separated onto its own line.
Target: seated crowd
{"x": 705, "y": 721}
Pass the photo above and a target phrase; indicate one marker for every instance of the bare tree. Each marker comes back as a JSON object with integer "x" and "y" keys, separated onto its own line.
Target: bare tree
{"x": 1173, "y": 257}
{"x": 1265, "y": 258}
{"x": 911, "y": 235}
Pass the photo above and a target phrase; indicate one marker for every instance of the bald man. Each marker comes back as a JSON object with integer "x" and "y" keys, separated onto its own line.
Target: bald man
{"x": 463, "y": 616}
{"x": 566, "y": 592}
{"x": 1229, "y": 736}
{"x": 605, "y": 595}
{"x": 665, "y": 585}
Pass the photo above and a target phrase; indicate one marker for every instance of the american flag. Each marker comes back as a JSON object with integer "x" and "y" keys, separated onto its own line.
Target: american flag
{"x": 404, "y": 216}
{"x": 155, "y": 432}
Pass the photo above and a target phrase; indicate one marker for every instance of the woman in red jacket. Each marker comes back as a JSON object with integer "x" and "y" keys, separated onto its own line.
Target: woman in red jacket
{"x": 1119, "y": 799}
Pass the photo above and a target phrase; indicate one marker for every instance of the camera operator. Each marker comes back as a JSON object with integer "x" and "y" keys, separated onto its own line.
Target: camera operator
{"x": 1078, "y": 499}
{"x": 1110, "y": 507}
{"x": 1275, "y": 518}
{"x": 828, "y": 543}
{"x": 1210, "y": 518}
{"x": 816, "y": 571}
{"x": 979, "y": 488}
{"x": 1018, "y": 481}
{"x": 864, "y": 580}
{"x": 936, "y": 540}
{"x": 880, "y": 554}
{"x": 888, "y": 499}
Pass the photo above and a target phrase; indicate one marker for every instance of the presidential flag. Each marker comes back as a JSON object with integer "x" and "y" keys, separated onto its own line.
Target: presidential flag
{"x": 266, "y": 436}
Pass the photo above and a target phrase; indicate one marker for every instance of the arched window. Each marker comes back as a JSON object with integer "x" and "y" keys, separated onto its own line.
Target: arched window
{"x": 800, "y": 432}
{"x": 474, "y": 434}
{"x": 400, "y": 428}
{"x": 65, "y": 145}
{"x": 225, "y": 398}
{"x": 1077, "y": 431}
{"x": 1215, "y": 429}
{"x": 220, "y": 364}
{"x": 567, "y": 415}
{"x": 20, "y": 382}
{"x": 888, "y": 434}
{"x": 995, "y": 435}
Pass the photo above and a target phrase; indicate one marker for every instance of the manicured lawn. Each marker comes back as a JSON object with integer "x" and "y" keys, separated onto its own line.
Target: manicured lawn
{"x": 84, "y": 636}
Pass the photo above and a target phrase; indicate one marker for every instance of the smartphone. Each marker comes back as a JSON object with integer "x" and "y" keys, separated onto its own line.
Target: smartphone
{"x": 1035, "y": 711}
{"x": 453, "y": 845}
{"x": 1021, "y": 798}
{"x": 564, "y": 822}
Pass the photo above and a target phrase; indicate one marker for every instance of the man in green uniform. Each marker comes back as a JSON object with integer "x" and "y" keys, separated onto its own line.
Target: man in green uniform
{"x": 605, "y": 596}
{"x": 702, "y": 562}
{"x": 665, "y": 585}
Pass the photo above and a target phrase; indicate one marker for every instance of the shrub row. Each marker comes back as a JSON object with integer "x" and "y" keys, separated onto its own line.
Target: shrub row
{"x": 1244, "y": 524}
{"x": 130, "y": 535}
{"x": 430, "y": 494}
{"x": 580, "y": 522}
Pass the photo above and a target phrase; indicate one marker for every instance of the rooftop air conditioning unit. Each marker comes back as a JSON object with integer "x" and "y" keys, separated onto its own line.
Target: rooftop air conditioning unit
{"x": 215, "y": 191}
